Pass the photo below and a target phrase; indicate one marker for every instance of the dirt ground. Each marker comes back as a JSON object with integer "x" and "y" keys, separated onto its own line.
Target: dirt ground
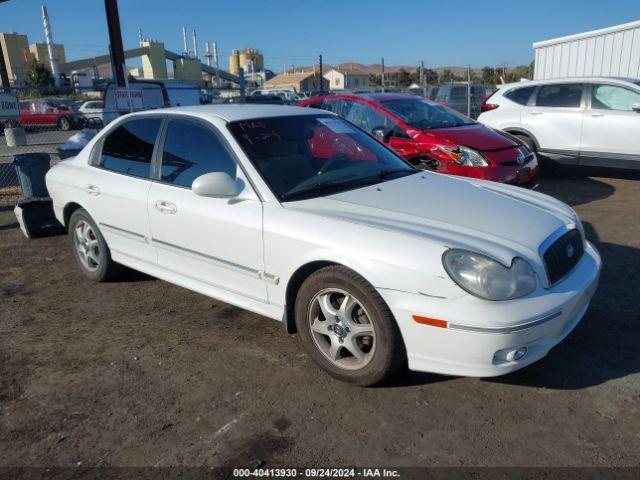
{"x": 143, "y": 373}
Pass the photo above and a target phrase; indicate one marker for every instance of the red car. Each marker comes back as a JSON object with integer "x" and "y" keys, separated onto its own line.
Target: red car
{"x": 433, "y": 136}
{"x": 46, "y": 113}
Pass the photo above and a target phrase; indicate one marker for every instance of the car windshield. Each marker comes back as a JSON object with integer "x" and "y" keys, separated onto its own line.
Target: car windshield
{"x": 306, "y": 156}
{"x": 423, "y": 115}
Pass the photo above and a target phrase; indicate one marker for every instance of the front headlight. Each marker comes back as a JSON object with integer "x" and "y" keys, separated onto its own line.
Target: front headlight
{"x": 465, "y": 156}
{"x": 486, "y": 278}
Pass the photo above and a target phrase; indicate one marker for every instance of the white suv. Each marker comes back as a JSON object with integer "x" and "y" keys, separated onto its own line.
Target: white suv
{"x": 588, "y": 121}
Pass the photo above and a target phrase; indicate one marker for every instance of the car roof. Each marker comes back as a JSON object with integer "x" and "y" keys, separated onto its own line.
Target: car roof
{"x": 619, "y": 80}
{"x": 375, "y": 97}
{"x": 236, "y": 111}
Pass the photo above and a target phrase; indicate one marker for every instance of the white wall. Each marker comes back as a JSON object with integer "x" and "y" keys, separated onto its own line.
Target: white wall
{"x": 611, "y": 52}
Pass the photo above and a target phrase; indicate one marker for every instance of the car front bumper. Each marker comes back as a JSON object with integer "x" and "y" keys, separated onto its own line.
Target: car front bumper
{"x": 480, "y": 335}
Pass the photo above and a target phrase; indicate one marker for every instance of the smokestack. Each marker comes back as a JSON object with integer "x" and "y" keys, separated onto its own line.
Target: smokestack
{"x": 207, "y": 53}
{"x": 195, "y": 44}
{"x": 184, "y": 39}
{"x": 215, "y": 60}
{"x": 53, "y": 57}
{"x": 140, "y": 35}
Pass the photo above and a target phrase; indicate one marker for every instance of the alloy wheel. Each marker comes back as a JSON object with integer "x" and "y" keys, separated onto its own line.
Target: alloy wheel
{"x": 341, "y": 329}
{"x": 87, "y": 245}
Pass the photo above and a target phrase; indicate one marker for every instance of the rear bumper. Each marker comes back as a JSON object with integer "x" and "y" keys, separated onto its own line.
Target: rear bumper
{"x": 481, "y": 334}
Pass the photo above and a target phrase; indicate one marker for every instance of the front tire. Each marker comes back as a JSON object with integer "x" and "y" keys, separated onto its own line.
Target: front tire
{"x": 347, "y": 328}
{"x": 64, "y": 124}
{"x": 90, "y": 249}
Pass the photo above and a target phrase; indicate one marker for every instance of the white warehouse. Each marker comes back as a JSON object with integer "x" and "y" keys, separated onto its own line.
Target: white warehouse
{"x": 609, "y": 52}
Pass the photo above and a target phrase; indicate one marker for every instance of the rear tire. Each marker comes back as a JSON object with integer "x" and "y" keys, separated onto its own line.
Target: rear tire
{"x": 528, "y": 141}
{"x": 90, "y": 249}
{"x": 347, "y": 328}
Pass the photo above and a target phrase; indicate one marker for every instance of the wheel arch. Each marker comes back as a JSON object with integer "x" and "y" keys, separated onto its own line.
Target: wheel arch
{"x": 68, "y": 210}
{"x": 523, "y": 131}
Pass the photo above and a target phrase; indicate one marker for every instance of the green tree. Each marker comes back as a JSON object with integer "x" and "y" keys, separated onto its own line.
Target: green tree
{"x": 403, "y": 78}
{"x": 447, "y": 76}
{"x": 39, "y": 77}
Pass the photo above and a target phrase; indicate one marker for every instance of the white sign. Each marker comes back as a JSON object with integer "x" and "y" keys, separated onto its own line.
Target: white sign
{"x": 9, "y": 106}
{"x": 129, "y": 100}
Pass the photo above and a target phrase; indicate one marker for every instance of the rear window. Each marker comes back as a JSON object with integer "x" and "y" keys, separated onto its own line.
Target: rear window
{"x": 564, "y": 95}
{"x": 520, "y": 95}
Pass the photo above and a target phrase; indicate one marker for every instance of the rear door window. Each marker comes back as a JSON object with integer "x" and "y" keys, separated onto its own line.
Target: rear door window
{"x": 567, "y": 95}
{"x": 129, "y": 148}
{"x": 520, "y": 95}
{"x": 190, "y": 150}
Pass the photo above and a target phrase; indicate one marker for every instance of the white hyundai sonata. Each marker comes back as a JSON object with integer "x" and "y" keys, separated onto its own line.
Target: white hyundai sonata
{"x": 297, "y": 215}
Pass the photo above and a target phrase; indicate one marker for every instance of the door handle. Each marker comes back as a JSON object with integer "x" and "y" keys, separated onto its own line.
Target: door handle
{"x": 92, "y": 189}
{"x": 166, "y": 207}
{"x": 597, "y": 114}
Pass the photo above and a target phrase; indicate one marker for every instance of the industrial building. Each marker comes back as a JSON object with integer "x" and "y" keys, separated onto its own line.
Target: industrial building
{"x": 40, "y": 52}
{"x": 16, "y": 56}
{"x": 610, "y": 52}
{"x": 248, "y": 59}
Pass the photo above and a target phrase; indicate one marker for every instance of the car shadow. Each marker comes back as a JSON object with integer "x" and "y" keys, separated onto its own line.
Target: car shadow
{"x": 606, "y": 343}
{"x": 133, "y": 276}
{"x": 574, "y": 185}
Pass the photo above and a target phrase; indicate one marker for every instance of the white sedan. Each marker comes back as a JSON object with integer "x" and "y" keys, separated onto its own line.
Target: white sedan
{"x": 297, "y": 215}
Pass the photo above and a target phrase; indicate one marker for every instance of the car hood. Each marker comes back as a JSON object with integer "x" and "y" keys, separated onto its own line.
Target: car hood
{"x": 475, "y": 136}
{"x": 496, "y": 219}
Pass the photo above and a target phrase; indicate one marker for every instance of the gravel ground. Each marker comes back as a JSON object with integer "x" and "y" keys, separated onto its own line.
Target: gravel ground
{"x": 140, "y": 372}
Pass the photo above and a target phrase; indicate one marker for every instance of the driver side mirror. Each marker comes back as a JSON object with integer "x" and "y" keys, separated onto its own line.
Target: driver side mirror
{"x": 381, "y": 133}
{"x": 636, "y": 107}
{"x": 215, "y": 184}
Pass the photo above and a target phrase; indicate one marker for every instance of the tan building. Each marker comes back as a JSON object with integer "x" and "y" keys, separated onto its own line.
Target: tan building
{"x": 40, "y": 52}
{"x": 341, "y": 79}
{"x": 16, "y": 56}
{"x": 154, "y": 64}
{"x": 298, "y": 81}
{"x": 242, "y": 59}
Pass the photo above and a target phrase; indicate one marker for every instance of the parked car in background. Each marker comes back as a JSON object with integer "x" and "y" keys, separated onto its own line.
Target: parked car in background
{"x": 433, "y": 136}
{"x": 92, "y": 112}
{"x": 591, "y": 121}
{"x": 297, "y": 215}
{"x": 265, "y": 98}
{"x": 455, "y": 96}
{"x": 47, "y": 113}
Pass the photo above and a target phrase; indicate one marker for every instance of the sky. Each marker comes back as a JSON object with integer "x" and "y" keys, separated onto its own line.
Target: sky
{"x": 443, "y": 33}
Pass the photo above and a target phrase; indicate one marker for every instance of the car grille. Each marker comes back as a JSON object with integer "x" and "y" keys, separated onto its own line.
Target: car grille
{"x": 563, "y": 255}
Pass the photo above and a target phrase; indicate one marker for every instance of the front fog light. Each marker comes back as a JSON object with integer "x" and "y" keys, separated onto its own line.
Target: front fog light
{"x": 515, "y": 355}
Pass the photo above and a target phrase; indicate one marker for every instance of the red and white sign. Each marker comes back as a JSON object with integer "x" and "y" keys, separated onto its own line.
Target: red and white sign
{"x": 129, "y": 100}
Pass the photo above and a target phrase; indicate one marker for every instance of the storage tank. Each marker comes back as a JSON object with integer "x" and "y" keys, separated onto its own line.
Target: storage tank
{"x": 234, "y": 62}
{"x": 251, "y": 54}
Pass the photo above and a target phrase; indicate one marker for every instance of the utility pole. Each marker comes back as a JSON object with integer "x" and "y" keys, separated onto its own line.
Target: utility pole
{"x": 382, "y": 74}
{"x": 4, "y": 76}
{"x": 321, "y": 83}
{"x": 53, "y": 56}
{"x": 215, "y": 60}
{"x": 242, "y": 84}
{"x": 115, "y": 42}
{"x": 423, "y": 79}
{"x": 469, "y": 91}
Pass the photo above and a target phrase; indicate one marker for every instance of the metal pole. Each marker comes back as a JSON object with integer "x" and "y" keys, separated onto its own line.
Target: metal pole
{"x": 321, "y": 82}
{"x": 115, "y": 41}
{"x": 424, "y": 79}
{"x": 382, "y": 74}
{"x": 215, "y": 59}
{"x": 468, "y": 90}
{"x": 53, "y": 57}
{"x": 4, "y": 76}
{"x": 242, "y": 84}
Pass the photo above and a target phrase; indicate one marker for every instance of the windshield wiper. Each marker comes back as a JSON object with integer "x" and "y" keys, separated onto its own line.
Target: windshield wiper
{"x": 328, "y": 185}
{"x": 390, "y": 171}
